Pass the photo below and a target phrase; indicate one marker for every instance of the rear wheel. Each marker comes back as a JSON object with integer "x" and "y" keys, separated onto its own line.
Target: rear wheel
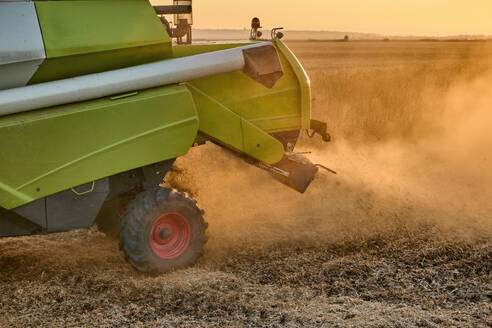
{"x": 162, "y": 230}
{"x": 108, "y": 220}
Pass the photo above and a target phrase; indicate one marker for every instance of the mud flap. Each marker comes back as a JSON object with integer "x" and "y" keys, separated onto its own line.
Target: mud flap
{"x": 295, "y": 171}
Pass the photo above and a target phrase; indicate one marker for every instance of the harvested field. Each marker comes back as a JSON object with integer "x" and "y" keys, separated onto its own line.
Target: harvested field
{"x": 401, "y": 237}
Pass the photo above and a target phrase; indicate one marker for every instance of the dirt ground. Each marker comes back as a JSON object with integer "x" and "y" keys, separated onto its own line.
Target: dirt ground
{"x": 401, "y": 237}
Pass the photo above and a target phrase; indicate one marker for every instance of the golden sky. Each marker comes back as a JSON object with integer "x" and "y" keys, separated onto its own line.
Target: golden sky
{"x": 391, "y": 17}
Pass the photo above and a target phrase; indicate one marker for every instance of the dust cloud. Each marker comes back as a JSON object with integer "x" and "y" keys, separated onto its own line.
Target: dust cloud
{"x": 437, "y": 180}
{"x": 400, "y": 237}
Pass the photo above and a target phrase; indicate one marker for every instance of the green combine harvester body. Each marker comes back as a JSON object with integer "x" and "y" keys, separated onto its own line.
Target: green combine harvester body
{"x": 63, "y": 165}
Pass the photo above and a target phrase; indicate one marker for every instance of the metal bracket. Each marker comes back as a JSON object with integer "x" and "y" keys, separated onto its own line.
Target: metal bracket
{"x": 273, "y": 169}
{"x": 318, "y": 127}
{"x": 84, "y": 192}
{"x": 294, "y": 170}
{"x": 276, "y": 34}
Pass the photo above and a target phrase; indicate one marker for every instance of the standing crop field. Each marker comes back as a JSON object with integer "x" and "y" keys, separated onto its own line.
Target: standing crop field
{"x": 401, "y": 237}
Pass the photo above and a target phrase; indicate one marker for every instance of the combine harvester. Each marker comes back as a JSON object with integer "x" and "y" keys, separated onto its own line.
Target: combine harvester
{"x": 96, "y": 104}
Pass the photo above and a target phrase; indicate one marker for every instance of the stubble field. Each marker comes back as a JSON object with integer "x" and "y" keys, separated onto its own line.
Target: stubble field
{"x": 401, "y": 237}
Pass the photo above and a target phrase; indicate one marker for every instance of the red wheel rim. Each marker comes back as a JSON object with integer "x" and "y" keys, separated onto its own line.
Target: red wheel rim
{"x": 170, "y": 236}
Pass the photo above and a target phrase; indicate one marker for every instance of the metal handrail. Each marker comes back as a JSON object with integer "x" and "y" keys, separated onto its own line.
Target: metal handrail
{"x": 171, "y": 10}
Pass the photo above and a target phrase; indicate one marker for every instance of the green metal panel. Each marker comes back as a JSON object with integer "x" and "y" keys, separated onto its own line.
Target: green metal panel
{"x": 47, "y": 151}
{"x": 234, "y": 131}
{"x": 83, "y": 37}
{"x": 239, "y": 112}
{"x": 285, "y": 107}
{"x": 304, "y": 83}
{"x": 66, "y": 67}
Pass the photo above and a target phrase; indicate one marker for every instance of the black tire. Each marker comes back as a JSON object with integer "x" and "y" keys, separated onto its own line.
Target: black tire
{"x": 108, "y": 220}
{"x": 140, "y": 224}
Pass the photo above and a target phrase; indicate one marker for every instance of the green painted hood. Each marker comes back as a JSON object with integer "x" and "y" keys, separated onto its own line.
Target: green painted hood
{"x": 90, "y": 36}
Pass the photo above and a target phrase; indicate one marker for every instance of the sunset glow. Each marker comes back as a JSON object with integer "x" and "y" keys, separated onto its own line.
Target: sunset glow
{"x": 417, "y": 17}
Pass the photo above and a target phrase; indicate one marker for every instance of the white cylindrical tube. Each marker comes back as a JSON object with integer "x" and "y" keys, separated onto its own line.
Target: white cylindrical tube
{"x": 118, "y": 81}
